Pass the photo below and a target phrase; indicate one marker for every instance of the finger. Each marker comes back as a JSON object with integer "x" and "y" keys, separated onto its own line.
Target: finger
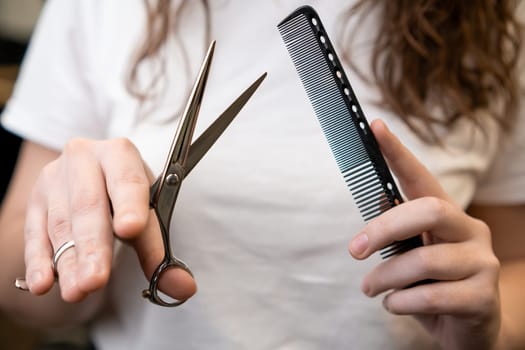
{"x": 38, "y": 249}
{"x": 59, "y": 227}
{"x": 59, "y": 231}
{"x": 465, "y": 297}
{"x": 90, "y": 221}
{"x": 445, "y": 262}
{"x": 409, "y": 219}
{"x": 128, "y": 186}
{"x": 414, "y": 178}
{"x": 174, "y": 282}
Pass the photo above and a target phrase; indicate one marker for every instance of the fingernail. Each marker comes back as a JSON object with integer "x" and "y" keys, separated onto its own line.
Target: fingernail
{"x": 20, "y": 283}
{"x": 359, "y": 244}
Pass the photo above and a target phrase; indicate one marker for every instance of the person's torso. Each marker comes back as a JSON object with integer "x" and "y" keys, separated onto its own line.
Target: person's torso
{"x": 265, "y": 218}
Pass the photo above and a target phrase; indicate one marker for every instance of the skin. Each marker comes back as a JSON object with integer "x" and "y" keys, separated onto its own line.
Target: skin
{"x": 461, "y": 310}
{"x": 69, "y": 200}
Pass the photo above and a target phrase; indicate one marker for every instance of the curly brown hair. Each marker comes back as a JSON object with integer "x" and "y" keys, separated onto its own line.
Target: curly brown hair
{"x": 459, "y": 56}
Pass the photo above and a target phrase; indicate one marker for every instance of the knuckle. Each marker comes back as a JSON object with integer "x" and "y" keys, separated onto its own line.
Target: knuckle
{"x": 492, "y": 264}
{"x": 482, "y": 229}
{"x": 77, "y": 145}
{"x": 495, "y": 263}
{"x": 31, "y": 230}
{"x": 378, "y": 226}
{"x": 431, "y": 300}
{"x": 48, "y": 176}
{"x": 122, "y": 144}
{"x": 437, "y": 206}
{"x": 132, "y": 178}
{"x": 89, "y": 247}
{"x": 127, "y": 173}
{"x": 426, "y": 261}
{"x": 86, "y": 202}
{"x": 58, "y": 224}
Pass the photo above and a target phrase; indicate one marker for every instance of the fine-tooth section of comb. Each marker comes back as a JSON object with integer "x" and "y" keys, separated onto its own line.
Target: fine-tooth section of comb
{"x": 342, "y": 120}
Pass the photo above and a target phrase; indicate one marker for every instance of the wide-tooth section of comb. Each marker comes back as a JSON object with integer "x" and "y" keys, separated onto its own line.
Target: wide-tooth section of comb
{"x": 341, "y": 118}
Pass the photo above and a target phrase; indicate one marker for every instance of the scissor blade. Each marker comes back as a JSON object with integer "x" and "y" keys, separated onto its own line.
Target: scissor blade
{"x": 184, "y": 134}
{"x": 163, "y": 196}
{"x": 200, "y": 146}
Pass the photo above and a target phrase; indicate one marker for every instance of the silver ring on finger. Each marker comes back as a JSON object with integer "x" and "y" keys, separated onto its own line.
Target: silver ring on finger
{"x": 20, "y": 282}
{"x": 61, "y": 250}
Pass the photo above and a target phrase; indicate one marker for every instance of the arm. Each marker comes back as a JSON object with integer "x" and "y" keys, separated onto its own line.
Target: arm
{"x": 508, "y": 237}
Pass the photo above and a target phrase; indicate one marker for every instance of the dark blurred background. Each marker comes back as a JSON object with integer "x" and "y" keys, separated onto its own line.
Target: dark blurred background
{"x": 17, "y": 19}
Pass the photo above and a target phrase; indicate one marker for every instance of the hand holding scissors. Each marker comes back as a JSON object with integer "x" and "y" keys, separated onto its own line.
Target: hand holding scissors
{"x": 69, "y": 230}
{"x": 181, "y": 160}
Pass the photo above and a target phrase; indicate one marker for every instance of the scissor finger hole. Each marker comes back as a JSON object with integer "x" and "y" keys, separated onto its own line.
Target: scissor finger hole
{"x": 160, "y": 298}
{"x": 154, "y": 293}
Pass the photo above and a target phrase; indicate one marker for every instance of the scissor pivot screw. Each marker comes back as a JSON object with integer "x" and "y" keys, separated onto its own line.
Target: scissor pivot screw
{"x": 172, "y": 179}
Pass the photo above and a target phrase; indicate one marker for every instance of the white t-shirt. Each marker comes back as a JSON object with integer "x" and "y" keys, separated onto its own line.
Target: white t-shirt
{"x": 265, "y": 218}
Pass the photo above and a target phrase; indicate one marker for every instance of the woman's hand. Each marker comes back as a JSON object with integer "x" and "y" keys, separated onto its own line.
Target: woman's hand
{"x": 461, "y": 309}
{"x": 94, "y": 192}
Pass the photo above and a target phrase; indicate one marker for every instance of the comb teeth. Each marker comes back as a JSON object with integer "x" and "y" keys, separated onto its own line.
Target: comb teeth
{"x": 342, "y": 120}
{"x": 323, "y": 91}
{"x": 367, "y": 190}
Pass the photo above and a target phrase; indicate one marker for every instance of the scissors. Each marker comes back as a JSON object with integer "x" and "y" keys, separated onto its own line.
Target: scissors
{"x": 182, "y": 157}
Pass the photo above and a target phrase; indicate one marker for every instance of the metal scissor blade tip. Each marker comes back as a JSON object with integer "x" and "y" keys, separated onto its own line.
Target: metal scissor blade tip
{"x": 203, "y": 75}
{"x": 211, "y": 134}
{"x": 251, "y": 89}
{"x": 261, "y": 78}
{"x": 209, "y": 54}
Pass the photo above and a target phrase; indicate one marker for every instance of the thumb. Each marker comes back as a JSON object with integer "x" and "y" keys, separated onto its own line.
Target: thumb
{"x": 174, "y": 282}
{"x": 413, "y": 177}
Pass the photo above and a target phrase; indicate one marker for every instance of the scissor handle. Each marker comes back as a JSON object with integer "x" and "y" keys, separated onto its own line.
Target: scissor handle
{"x": 152, "y": 293}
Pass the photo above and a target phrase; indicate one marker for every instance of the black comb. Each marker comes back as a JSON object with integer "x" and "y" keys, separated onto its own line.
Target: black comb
{"x": 343, "y": 122}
